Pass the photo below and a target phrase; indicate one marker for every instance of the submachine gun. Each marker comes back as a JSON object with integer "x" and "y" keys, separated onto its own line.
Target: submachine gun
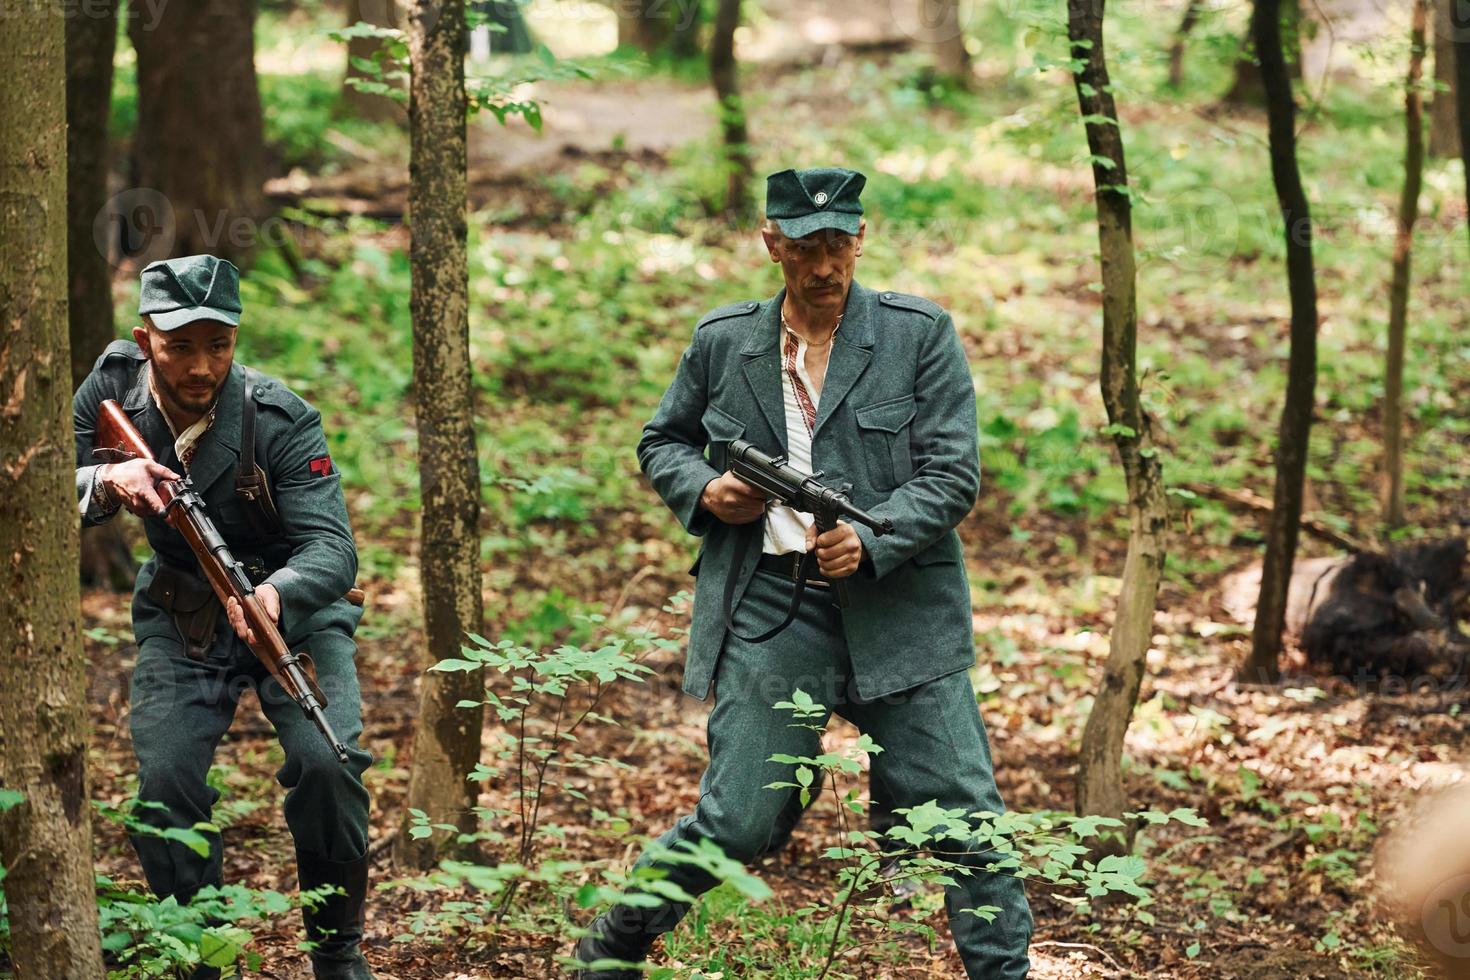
{"x": 117, "y": 440}
{"x": 803, "y": 492}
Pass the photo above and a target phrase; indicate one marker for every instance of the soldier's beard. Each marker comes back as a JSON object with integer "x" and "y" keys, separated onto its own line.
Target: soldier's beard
{"x": 183, "y": 403}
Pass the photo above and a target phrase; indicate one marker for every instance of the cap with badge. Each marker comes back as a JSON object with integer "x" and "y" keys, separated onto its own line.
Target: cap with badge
{"x": 805, "y": 201}
{"x": 179, "y": 291}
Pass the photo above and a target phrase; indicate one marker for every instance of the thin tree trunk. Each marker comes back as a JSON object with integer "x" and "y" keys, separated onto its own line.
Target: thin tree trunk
{"x": 45, "y": 840}
{"x": 367, "y": 105}
{"x": 1249, "y": 87}
{"x": 942, "y": 29}
{"x": 1099, "y": 770}
{"x": 688, "y": 20}
{"x": 1181, "y": 37}
{"x": 1398, "y": 313}
{"x": 724, "y": 73}
{"x": 90, "y": 41}
{"x": 446, "y": 738}
{"x": 1263, "y": 665}
{"x": 200, "y": 141}
{"x": 1444, "y": 127}
{"x": 1460, "y": 29}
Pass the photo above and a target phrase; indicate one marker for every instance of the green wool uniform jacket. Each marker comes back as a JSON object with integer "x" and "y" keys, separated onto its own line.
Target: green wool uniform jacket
{"x": 896, "y": 419}
{"x": 312, "y": 565}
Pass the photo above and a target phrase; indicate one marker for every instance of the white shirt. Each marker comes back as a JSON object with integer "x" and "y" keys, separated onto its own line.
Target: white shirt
{"x": 184, "y": 442}
{"x": 786, "y": 528}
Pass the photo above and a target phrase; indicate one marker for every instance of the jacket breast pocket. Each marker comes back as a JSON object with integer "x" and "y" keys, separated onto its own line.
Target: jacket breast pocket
{"x": 720, "y": 429}
{"x": 884, "y": 431}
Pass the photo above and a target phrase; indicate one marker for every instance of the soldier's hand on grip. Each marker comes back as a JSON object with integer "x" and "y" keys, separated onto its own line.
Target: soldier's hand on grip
{"x": 135, "y": 484}
{"x": 733, "y": 500}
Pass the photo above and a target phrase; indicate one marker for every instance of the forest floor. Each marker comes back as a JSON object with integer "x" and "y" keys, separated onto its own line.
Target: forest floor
{"x": 589, "y": 264}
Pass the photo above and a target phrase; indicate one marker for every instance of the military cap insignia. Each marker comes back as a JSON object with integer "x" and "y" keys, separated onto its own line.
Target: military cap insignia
{"x": 820, "y": 198}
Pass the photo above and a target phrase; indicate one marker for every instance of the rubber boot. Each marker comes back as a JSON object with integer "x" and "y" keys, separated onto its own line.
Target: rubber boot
{"x": 335, "y": 926}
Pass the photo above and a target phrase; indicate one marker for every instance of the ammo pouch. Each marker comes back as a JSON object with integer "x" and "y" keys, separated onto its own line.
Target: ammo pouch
{"x": 191, "y": 602}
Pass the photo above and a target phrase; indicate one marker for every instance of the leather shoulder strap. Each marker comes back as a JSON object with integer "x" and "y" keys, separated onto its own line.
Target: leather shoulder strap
{"x": 251, "y": 487}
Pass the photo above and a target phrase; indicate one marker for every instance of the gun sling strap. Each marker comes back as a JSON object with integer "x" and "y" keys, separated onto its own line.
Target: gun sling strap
{"x": 251, "y": 487}
{"x": 803, "y": 568}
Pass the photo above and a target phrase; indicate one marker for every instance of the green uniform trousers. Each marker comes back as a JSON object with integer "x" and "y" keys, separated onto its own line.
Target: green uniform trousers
{"x": 181, "y": 708}
{"x": 934, "y": 744}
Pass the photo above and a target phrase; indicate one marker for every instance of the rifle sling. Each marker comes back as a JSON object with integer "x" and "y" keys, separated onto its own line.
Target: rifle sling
{"x": 251, "y": 487}
{"x": 798, "y": 587}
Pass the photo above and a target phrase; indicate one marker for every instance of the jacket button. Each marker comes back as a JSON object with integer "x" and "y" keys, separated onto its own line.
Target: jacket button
{"x": 260, "y": 391}
{"x": 749, "y": 307}
{"x": 887, "y": 295}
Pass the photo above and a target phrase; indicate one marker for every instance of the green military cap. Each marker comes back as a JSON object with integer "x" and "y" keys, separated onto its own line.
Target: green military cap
{"x": 805, "y": 201}
{"x": 195, "y": 287}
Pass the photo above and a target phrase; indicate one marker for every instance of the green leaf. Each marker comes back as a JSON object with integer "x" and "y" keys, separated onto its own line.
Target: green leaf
{"x": 10, "y": 798}
{"x": 449, "y": 664}
{"x": 217, "y": 951}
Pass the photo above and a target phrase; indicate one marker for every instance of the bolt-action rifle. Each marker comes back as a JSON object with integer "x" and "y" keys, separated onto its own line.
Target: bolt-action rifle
{"x": 117, "y": 440}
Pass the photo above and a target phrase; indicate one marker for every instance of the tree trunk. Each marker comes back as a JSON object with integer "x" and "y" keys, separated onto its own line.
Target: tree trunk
{"x": 45, "y": 840}
{"x": 724, "y": 72}
{"x": 647, "y": 26}
{"x": 1263, "y": 665}
{"x": 688, "y": 21}
{"x": 1444, "y": 128}
{"x": 1099, "y": 770}
{"x": 1398, "y": 311}
{"x": 200, "y": 142}
{"x": 366, "y": 105}
{"x": 446, "y": 738}
{"x": 1460, "y": 30}
{"x": 1249, "y": 87}
{"x": 943, "y": 31}
{"x": 90, "y": 41}
{"x": 1181, "y": 36}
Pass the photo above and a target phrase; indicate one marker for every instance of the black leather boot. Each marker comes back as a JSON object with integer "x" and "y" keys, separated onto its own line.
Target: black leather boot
{"x": 335, "y": 926}
{"x": 625, "y": 933}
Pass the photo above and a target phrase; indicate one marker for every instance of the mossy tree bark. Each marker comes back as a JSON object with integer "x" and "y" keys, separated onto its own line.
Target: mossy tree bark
{"x": 45, "y": 840}
{"x": 1398, "y": 296}
{"x": 1099, "y": 770}
{"x": 1263, "y": 664}
{"x": 200, "y": 141}
{"x": 446, "y": 737}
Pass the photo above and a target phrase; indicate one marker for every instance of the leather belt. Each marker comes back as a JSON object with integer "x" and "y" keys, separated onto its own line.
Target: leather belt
{"x": 788, "y": 566}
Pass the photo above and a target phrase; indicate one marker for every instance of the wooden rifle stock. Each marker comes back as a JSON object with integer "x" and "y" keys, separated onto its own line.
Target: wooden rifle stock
{"x": 117, "y": 440}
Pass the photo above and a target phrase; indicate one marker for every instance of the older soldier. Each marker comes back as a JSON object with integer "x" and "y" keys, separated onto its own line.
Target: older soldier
{"x": 256, "y": 454}
{"x": 872, "y": 389}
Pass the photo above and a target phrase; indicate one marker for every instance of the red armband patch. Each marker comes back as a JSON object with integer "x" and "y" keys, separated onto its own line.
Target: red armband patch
{"x": 321, "y": 466}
